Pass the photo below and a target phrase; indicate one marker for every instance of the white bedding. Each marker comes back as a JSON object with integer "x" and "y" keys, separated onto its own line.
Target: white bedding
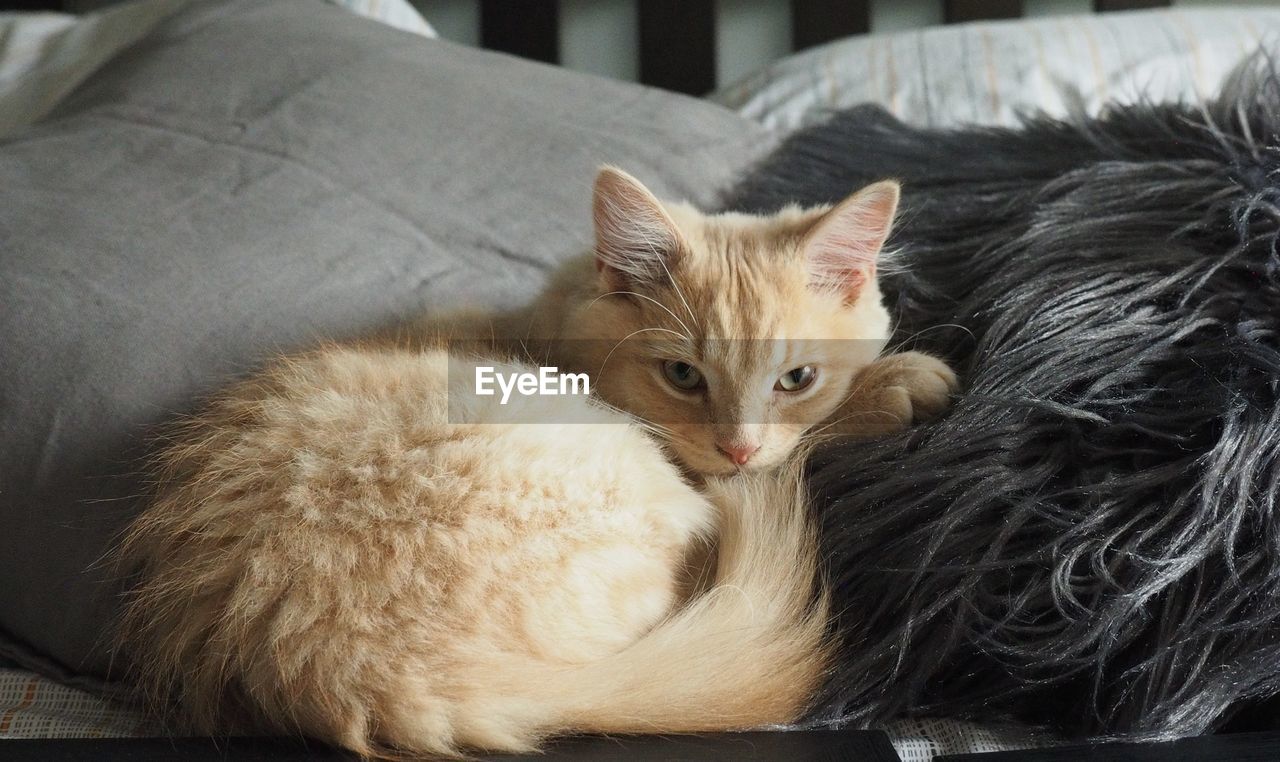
{"x": 986, "y": 73}
{"x": 43, "y": 56}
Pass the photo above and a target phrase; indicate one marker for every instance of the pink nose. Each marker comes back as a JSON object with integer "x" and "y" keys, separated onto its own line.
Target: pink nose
{"x": 738, "y": 453}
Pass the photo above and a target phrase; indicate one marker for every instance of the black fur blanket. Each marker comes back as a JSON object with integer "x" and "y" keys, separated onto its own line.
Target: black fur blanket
{"x": 1090, "y": 540}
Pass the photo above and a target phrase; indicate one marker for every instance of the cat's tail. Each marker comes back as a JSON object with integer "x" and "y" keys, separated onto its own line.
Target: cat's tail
{"x": 748, "y": 652}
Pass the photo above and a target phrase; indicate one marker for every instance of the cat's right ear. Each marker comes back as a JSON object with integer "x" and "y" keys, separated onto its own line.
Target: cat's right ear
{"x": 636, "y": 240}
{"x": 843, "y": 246}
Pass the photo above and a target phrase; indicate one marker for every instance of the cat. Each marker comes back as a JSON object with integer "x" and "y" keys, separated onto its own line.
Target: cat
{"x": 734, "y": 335}
{"x": 338, "y": 550}
{"x": 352, "y": 545}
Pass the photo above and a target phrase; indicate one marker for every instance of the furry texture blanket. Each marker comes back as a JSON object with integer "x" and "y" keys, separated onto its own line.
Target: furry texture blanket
{"x": 1089, "y": 540}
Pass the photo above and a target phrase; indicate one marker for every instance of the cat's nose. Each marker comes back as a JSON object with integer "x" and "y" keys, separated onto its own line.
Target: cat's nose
{"x": 738, "y": 453}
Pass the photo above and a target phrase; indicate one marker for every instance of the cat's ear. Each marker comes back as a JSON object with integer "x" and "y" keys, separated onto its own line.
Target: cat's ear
{"x": 636, "y": 240}
{"x": 842, "y": 247}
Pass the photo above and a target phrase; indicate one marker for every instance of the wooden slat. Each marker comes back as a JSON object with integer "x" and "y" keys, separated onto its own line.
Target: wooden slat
{"x": 678, "y": 44}
{"x": 1129, "y": 5}
{"x": 529, "y": 28}
{"x": 974, "y": 10}
{"x": 814, "y": 22}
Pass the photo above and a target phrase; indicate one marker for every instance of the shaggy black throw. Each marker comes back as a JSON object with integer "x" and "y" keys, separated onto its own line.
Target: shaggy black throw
{"x": 1090, "y": 539}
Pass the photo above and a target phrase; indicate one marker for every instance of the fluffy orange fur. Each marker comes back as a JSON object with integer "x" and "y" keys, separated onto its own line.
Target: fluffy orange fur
{"x": 744, "y": 299}
{"x": 335, "y": 552}
{"x": 352, "y": 546}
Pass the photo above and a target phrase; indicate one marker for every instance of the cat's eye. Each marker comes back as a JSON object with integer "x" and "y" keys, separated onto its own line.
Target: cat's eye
{"x": 796, "y": 379}
{"x": 682, "y": 375}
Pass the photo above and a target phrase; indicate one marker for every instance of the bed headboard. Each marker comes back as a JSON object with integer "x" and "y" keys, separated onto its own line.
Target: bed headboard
{"x": 690, "y": 46}
{"x": 694, "y": 46}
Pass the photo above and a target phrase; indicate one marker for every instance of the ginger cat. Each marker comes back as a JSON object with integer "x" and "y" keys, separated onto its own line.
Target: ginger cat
{"x": 354, "y": 546}
{"x": 336, "y": 551}
{"x": 733, "y": 335}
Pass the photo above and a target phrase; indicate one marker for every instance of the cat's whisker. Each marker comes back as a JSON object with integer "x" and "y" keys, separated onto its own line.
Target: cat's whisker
{"x": 896, "y": 321}
{"x": 855, "y": 389}
{"x": 658, "y": 430}
{"x": 605, "y": 361}
{"x": 897, "y": 347}
{"x": 645, "y": 423}
{"x": 675, "y": 285}
{"x": 653, "y": 425}
{"x": 889, "y": 419}
{"x": 688, "y": 334}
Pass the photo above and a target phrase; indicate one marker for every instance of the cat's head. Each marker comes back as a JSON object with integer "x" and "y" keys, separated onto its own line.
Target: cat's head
{"x": 733, "y": 334}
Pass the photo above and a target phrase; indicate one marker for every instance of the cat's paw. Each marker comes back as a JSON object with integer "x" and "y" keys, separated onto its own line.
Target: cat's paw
{"x": 926, "y": 382}
{"x": 892, "y": 393}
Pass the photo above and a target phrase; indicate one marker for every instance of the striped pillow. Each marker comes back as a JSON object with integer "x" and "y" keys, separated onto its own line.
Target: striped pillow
{"x": 987, "y": 73}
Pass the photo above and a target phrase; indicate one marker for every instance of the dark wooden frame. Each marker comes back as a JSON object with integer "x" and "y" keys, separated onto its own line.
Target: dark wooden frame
{"x": 959, "y": 11}
{"x": 529, "y": 28}
{"x": 677, "y": 38}
{"x": 814, "y": 22}
{"x": 1129, "y": 5}
{"x": 678, "y": 44}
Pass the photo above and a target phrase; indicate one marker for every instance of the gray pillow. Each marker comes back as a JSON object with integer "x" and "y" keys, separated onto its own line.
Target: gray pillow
{"x": 251, "y": 177}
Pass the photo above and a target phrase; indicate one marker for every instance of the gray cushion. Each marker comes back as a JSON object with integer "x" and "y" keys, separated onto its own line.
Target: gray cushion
{"x": 251, "y": 177}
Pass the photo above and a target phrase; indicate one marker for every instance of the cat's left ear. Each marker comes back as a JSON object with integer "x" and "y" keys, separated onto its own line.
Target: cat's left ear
{"x": 636, "y": 240}
{"x": 842, "y": 248}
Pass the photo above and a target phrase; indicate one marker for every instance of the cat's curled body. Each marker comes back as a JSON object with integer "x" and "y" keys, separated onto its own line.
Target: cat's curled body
{"x": 336, "y": 552}
{"x": 350, "y": 546}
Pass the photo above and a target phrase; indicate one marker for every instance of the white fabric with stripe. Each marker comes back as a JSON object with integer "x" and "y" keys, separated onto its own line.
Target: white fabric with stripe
{"x": 34, "y": 707}
{"x": 986, "y": 73}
